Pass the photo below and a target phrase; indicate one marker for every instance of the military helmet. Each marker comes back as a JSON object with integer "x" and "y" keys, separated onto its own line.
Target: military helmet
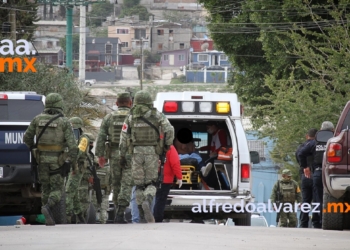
{"x": 76, "y": 122}
{"x": 286, "y": 172}
{"x": 143, "y": 97}
{"x": 54, "y": 100}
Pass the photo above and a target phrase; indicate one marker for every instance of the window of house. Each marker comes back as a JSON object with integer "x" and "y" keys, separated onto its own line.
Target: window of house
{"x": 140, "y": 33}
{"x": 202, "y": 58}
{"x": 160, "y": 32}
{"x": 166, "y": 58}
{"x": 160, "y": 46}
{"x": 48, "y": 59}
{"x": 108, "y": 48}
{"x": 125, "y": 44}
{"x": 49, "y": 44}
{"x": 122, "y": 31}
{"x": 37, "y": 44}
{"x": 171, "y": 32}
{"x": 182, "y": 45}
{"x": 181, "y": 57}
{"x": 58, "y": 43}
{"x": 223, "y": 57}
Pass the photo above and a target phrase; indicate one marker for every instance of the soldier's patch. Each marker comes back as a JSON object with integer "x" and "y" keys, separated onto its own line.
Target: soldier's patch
{"x": 125, "y": 127}
{"x": 298, "y": 189}
{"x": 83, "y": 144}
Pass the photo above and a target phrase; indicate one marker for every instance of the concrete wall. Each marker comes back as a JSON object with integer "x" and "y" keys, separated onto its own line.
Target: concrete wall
{"x": 168, "y": 41}
{"x": 100, "y": 76}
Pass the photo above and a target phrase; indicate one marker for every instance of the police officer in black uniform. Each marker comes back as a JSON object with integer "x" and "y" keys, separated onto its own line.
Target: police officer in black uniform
{"x": 306, "y": 183}
{"x": 316, "y": 150}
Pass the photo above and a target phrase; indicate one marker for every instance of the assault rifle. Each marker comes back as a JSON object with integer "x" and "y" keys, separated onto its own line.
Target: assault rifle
{"x": 278, "y": 201}
{"x": 162, "y": 162}
{"x": 97, "y": 183}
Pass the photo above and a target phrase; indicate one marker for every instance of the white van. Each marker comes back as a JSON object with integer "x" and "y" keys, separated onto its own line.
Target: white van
{"x": 196, "y": 200}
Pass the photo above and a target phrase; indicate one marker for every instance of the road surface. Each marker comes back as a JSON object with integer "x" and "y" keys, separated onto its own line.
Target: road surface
{"x": 168, "y": 236}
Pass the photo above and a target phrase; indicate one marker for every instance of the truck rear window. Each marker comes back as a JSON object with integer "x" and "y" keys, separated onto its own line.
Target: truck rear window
{"x": 20, "y": 110}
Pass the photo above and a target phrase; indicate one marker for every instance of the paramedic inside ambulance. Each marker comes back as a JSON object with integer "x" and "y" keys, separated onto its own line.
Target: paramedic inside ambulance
{"x": 218, "y": 139}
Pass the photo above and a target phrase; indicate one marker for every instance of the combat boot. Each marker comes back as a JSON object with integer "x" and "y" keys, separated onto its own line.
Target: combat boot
{"x": 46, "y": 211}
{"x": 146, "y": 205}
{"x": 119, "y": 217}
{"x": 141, "y": 214}
{"x": 81, "y": 218}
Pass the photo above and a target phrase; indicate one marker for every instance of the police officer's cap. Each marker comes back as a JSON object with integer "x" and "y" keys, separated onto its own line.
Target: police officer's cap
{"x": 123, "y": 95}
{"x": 327, "y": 125}
{"x": 286, "y": 172}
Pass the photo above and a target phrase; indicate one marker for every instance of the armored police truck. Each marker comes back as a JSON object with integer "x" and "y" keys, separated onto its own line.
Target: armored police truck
{"x": 196, "y": 200}
{"x": 18, "y": 194}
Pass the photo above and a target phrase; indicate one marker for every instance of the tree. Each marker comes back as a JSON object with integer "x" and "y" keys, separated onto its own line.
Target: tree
{"x": 291, "y": 61}
{"x": 139, "y": 10}
{"x": 26, "y": 14}
{"x": 50, "y": 79}
{"x": 99, "y": 13}
{"x": 130, "y": 3}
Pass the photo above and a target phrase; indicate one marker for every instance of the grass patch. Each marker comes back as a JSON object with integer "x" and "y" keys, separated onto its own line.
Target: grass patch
{"x": 176, "y": 81}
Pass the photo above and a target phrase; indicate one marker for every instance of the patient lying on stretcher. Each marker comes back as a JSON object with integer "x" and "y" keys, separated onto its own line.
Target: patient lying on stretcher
{"x": 188, "y": 151}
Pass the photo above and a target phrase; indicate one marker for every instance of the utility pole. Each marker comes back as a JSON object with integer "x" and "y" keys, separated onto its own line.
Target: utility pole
{"x": 12, "y": 20}
{"x": 69, "y": 4}
{"x": 69, "y": 40}
{"x": 141, "y": 73}
{"x": 82, "y": 44}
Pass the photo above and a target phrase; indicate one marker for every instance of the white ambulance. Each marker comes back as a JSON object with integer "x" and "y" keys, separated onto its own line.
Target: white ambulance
{"x": 196, "y": 200}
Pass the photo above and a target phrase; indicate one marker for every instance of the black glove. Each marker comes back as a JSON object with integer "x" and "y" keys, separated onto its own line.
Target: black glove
{"x": 122, "y": 162}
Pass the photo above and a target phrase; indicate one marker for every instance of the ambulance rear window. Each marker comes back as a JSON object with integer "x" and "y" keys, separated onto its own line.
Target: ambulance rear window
{"x": 20, "y": 110}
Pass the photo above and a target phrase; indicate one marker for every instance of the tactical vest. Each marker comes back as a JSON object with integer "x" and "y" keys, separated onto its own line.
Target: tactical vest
{"x": 115, "y": 126}
{"x": 320, "y": 148}
{"x": 52, "y": 140}
{"x": 103, "y": 174}
{"x": 288, "y": 191}
{"x": 143, "y": 134}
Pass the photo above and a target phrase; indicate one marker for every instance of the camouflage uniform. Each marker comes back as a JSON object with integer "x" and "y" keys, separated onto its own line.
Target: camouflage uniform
{"x": 73, "y": 205}
{"x": 50, "y": 153}
{"x": 83, "y": 190}
{"x": 290, "y": 193}
{"x": 145, "y": 144}
{"x": 121, "y": 178}
{"x": 104, "y": 174}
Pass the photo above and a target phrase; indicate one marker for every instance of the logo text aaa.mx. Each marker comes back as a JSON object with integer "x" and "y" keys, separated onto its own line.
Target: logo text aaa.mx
{"x": 24, "y": 64}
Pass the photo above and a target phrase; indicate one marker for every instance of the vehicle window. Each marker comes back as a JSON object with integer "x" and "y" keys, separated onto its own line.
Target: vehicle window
{"x": 346, "y": 123}
{"x": 20, "y": 110}
{"x": 203, "y": 137}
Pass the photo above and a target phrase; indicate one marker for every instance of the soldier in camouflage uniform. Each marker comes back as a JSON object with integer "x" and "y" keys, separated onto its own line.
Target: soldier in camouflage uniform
{"x": 104, "y": 174}
{"x": 146, "y": 143}
{"x": 50, "y": 153}
{"x": 107, "y": 147}
{"x": 86, "y": 141}
{"x": 290, "y": 192}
